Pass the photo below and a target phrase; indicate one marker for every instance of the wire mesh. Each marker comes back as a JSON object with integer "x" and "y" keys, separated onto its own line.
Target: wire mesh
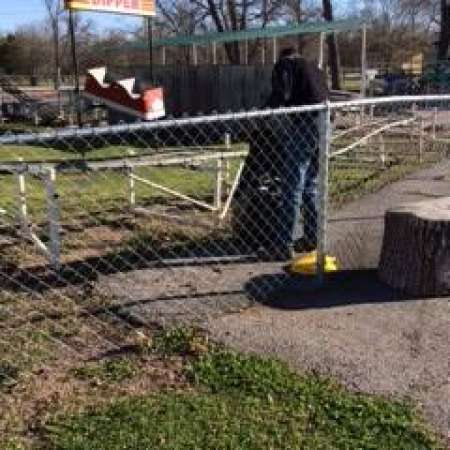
{"x": 107, "y": 234}
{"x": 372, "y": 147}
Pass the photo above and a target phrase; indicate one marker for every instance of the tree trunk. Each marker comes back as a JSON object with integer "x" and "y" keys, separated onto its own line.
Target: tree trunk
{"x": 415, "y": 257}
{"x": 444, "y": 40}
{"x": 333, "y": 52}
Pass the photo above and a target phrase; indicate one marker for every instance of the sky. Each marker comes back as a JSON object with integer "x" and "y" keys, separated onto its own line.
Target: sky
{"x": 14, "y": 13}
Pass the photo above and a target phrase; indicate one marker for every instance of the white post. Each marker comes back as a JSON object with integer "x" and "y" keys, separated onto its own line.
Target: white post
{"x": 246, "y": 52}
{"x": 131, "y": 182}
{"x": 421, "y": 140}
{"x": 23, "y": 209}
{"x": 163, "y": 55}
{"x": 227, "y": 164}
{"x": 263, "y": 53}
{"x": 232, "y": 192}
{"x": 131, "y": 187}
{"x": 214, "y": 52}
{"x": 53, "y": 219}
{"x": 382, "y": 151}
{"x": 219, "y": 182}
{"x": 364, "y": 61}
{"x": 274, "y": 48}
{"x": 321, "y": 50}
{"x": 435, "y": 118}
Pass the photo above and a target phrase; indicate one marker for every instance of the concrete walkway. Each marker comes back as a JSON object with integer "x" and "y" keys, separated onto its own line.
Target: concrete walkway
{"x": 358, "y": 330}
{"x": 356, "y": 231}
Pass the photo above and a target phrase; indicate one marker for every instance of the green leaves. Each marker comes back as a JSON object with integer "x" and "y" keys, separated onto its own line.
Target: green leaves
{"x": 239, "y": 402}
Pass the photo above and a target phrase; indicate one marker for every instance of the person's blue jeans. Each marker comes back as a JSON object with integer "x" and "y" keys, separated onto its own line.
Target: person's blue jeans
{"x": 298, "y": 187}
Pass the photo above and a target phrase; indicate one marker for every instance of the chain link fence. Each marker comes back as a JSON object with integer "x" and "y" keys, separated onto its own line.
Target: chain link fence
{"x": 107, "y": 233}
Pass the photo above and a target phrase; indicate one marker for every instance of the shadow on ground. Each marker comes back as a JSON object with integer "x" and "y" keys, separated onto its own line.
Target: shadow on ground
{"x": 343, "y": 288}
{"x": 147, "y": 254}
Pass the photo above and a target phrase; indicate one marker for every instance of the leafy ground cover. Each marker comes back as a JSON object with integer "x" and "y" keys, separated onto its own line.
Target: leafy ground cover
{"x": 219, "y": 399}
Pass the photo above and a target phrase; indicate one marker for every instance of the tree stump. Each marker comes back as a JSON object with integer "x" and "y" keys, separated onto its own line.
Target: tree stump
{"x": 416, "y": 248}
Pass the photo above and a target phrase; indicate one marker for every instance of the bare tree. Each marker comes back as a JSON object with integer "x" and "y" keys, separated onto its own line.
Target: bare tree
{"x": 54, "y": 12}
{"x": 333, "y": 52}
{"x": 28, "y": 52}
{"x": 180, "y": 17}
{"x": 238, "y": 15}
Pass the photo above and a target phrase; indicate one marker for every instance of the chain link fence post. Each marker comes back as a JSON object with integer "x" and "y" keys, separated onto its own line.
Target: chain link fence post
{"x": 324, "y": 153}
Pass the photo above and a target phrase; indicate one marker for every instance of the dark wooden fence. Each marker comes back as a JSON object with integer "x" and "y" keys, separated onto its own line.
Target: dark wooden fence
{"x": 204, "y": 89}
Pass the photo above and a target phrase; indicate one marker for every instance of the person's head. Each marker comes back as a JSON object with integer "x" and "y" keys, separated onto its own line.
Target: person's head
{"x": 288, "y": 52}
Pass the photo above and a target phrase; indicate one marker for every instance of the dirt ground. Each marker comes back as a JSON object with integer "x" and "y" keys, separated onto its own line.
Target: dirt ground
{"x": 355, "y": 329}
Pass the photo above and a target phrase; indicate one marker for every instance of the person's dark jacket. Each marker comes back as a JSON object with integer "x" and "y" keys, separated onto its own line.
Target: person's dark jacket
{"x": 297, "y": 82}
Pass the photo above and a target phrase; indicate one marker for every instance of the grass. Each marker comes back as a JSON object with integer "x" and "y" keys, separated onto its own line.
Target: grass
{"x": 88, "y": 193}
{"x": 112, "y": 371}
{"x": 33, "y": 153}
{"x": 178, "y": 341}
{"x": 8, "y": 374}
{"x": 47, "y": 153}
{"x": 240, "y": 402}
{"x": 223, "y": 400}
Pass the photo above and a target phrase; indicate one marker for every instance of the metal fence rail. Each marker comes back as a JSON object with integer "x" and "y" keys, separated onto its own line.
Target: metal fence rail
{"x": 178, "y": 221}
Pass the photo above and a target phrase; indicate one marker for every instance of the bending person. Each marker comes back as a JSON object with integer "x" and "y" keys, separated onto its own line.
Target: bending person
{"x": 297, "y": 82}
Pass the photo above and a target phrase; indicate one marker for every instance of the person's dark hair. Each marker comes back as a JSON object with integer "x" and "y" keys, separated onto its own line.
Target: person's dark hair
{"x": 287, "y": 52}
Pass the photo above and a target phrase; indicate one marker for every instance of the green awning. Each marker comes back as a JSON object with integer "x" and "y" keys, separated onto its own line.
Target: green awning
{"x": 252, "y": 34}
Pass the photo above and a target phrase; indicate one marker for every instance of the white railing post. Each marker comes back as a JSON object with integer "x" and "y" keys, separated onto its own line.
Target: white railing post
{"x": 131, "y": 181}
{"x": 227, "y": 164}
{"x": 23, "y": 208}
{"x": 421, "y": 140}
{"x": 324, "y": 153}
{"x": 53, "y": 219}
{"x": 435, "y": 118}
{"x": 219, "y": 185}
{"x": 382, "y": 151}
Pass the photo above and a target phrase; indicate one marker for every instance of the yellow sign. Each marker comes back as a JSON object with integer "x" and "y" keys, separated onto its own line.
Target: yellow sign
{"x": 135, "y": 7}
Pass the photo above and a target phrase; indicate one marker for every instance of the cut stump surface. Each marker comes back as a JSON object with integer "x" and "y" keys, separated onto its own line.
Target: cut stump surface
{"x": 416, "y": 248}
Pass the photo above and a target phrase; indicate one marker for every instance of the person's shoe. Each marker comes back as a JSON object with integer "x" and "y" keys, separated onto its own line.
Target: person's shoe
{"x": 303, "y": 245}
